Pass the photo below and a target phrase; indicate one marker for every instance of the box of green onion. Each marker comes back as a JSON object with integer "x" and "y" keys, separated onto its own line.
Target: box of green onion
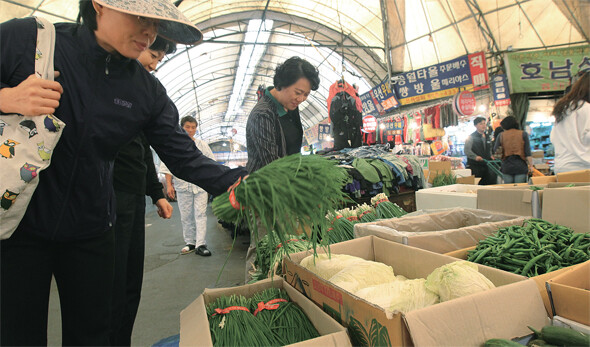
{"x": 267, "y": 313}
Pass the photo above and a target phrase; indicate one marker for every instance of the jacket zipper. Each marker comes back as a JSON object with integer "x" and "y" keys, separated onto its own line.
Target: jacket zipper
{"x": 106, "y": 66}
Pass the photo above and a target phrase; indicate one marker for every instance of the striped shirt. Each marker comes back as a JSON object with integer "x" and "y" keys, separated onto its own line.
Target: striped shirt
{"x": 265, "y": 138}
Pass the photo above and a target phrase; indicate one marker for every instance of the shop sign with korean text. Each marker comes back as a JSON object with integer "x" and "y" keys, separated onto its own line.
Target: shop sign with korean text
{"x": 545, "y": 70}
{"x": 385, "y": 96}
{"x": 499, "y": 85}
{"x": 371, "y": 107}
{"x": 441, "y": 80}
{"x": 369, "y": 124}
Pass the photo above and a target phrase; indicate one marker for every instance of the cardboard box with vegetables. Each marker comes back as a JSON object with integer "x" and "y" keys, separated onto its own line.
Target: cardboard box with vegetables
{"x": 406, "y": 320}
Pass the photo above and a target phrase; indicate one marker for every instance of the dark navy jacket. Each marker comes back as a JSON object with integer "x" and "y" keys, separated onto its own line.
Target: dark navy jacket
{"x": 107, "y": 101}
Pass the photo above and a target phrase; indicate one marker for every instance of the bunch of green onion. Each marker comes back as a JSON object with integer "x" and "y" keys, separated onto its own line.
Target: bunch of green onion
{"x": 366, "y": 213}
{"x": 269, "y": 318}
{"x": 291, "y": 192}
{"x": 287, "y": 321}
{"x": 386, "y": 209}
{"x": 341, "y": 229}
{"x": 236, "y": 326}
{"x": 269, "y": 257}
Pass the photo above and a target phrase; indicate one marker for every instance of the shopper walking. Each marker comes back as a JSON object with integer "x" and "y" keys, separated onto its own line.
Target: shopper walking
{"x": 274, "y": 129}
{"x": 134, "y": 177}
{"x": 105, "y": 98}
{"x": 192, "y": 200}
{"x": 478, "y": 149}
{"x": 571, "y": 133}
{"x": 515, "y": 147}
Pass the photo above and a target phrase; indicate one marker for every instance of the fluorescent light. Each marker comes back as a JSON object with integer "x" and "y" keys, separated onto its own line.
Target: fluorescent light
{"x": 259, "y": 34}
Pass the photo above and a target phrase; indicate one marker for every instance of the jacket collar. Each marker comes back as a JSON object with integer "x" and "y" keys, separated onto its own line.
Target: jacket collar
{"x": 94, "y": 52}
{"x": 280, "y": 109}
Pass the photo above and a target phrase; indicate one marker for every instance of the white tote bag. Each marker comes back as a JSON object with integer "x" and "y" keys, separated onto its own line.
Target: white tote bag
{"x": 26, "y": 143}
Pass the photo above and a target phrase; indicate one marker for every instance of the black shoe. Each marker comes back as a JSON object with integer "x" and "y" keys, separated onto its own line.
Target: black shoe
{"x": 202, "y": 250}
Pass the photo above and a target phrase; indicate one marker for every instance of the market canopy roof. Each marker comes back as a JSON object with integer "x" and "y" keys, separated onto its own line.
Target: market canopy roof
{"x": 244, "y": 41}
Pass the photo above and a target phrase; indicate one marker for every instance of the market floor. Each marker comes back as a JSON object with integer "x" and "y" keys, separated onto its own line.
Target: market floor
{"x": 171, "y": 281}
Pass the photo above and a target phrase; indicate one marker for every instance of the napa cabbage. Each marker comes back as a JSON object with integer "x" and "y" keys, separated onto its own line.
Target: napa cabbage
{"x": 326, "y": 266}
{"x": 363, "y": 274}
{"x": 457, "y": 279}
{"x": 403, "y": 296}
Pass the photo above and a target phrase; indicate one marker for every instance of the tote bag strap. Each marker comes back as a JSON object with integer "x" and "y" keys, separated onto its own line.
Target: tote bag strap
{"x": 46, "y": 44}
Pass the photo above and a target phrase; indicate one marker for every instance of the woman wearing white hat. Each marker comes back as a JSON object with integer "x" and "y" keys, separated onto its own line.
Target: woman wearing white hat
{"x": 105, "y": 97}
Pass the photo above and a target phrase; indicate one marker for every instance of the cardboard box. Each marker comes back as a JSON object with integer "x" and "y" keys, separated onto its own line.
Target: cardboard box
{"x": 466, "y": 180}
{"x": 469, "y": 321}
{"x": 538, "y": 154}
{"x": 568, "y": 206}
{"x": 570, "y": 294}
{"x": 539, "y": 280}
{"x": 455, "y": 195}
{"x": 543, "y": 179}
{"x": 568, "y": 323}
{"x": 574, "y": 176}
{"x": 437, "y": 167}
{"x": 441, "y": 231}
{"x": 518, "y": 200}
{"x": 194, "y": 324}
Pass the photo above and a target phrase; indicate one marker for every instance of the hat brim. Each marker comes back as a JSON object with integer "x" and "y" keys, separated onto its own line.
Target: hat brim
{"x": 174, "y": 26}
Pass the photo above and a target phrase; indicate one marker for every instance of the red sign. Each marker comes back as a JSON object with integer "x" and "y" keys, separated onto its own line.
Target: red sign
{"x": 369, "y": 124}
{"x": 465, "y": 103}
{"x": 479, "y": 70}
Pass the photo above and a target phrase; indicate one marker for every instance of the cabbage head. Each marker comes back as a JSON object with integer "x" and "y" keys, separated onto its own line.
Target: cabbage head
{"x": 363, "y": 274}
{"x": 326, "y": 266}
{"x": 400, "y": 296}
{"x": 457, "y": 279}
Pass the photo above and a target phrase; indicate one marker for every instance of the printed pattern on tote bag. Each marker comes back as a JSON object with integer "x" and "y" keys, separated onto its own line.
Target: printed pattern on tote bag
{"x": 26, "y": 143}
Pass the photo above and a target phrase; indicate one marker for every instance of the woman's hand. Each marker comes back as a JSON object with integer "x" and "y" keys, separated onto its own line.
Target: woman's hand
{"x": 32, "y": 97}
{"x": 171, "y": 192}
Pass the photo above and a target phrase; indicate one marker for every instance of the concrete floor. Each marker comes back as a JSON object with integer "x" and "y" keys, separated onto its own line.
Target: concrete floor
{"x": 171, "y": 281}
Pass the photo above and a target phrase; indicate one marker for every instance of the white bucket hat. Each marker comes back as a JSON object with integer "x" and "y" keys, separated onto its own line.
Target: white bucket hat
{"x": 173, "y": 26}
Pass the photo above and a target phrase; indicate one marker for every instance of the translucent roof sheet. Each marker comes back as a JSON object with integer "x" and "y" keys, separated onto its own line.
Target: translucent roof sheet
{"x": 334, "y": 35}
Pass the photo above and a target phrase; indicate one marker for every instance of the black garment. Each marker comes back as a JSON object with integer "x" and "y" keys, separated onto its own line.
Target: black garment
{"x": 291, "y": 124}
{"x": 129, "y": 254}
{"x": 107, "y": 101}
{"x": 83, "y": 271}
{"x": 483, "y": 147}
{"x": 134, "y": 170}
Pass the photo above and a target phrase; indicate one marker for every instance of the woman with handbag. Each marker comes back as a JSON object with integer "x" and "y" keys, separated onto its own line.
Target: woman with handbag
{"x": 105, "y": 98}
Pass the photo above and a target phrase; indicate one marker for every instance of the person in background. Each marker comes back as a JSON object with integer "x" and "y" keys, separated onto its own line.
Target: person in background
{"x": 517, "y": 161}
{"x": 106, "y": 99}
{"x": 192, "y": 200}
{"x": 478, "y": 148}
{"x": 571, "y": 133}
{"x": 134, "y": 177}
{"x": 274, "y": 129}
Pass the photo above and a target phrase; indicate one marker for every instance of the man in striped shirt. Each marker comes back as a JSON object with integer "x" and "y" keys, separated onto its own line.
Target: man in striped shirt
{"x": 274, "y": 127}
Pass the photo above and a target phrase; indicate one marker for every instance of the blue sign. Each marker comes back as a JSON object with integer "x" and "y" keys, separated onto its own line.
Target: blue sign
{"x": 370, "y": 106}
{"x": 385, "y": 96}
{"x": 438, "y": 80}
{"x": 500, "y": 90}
